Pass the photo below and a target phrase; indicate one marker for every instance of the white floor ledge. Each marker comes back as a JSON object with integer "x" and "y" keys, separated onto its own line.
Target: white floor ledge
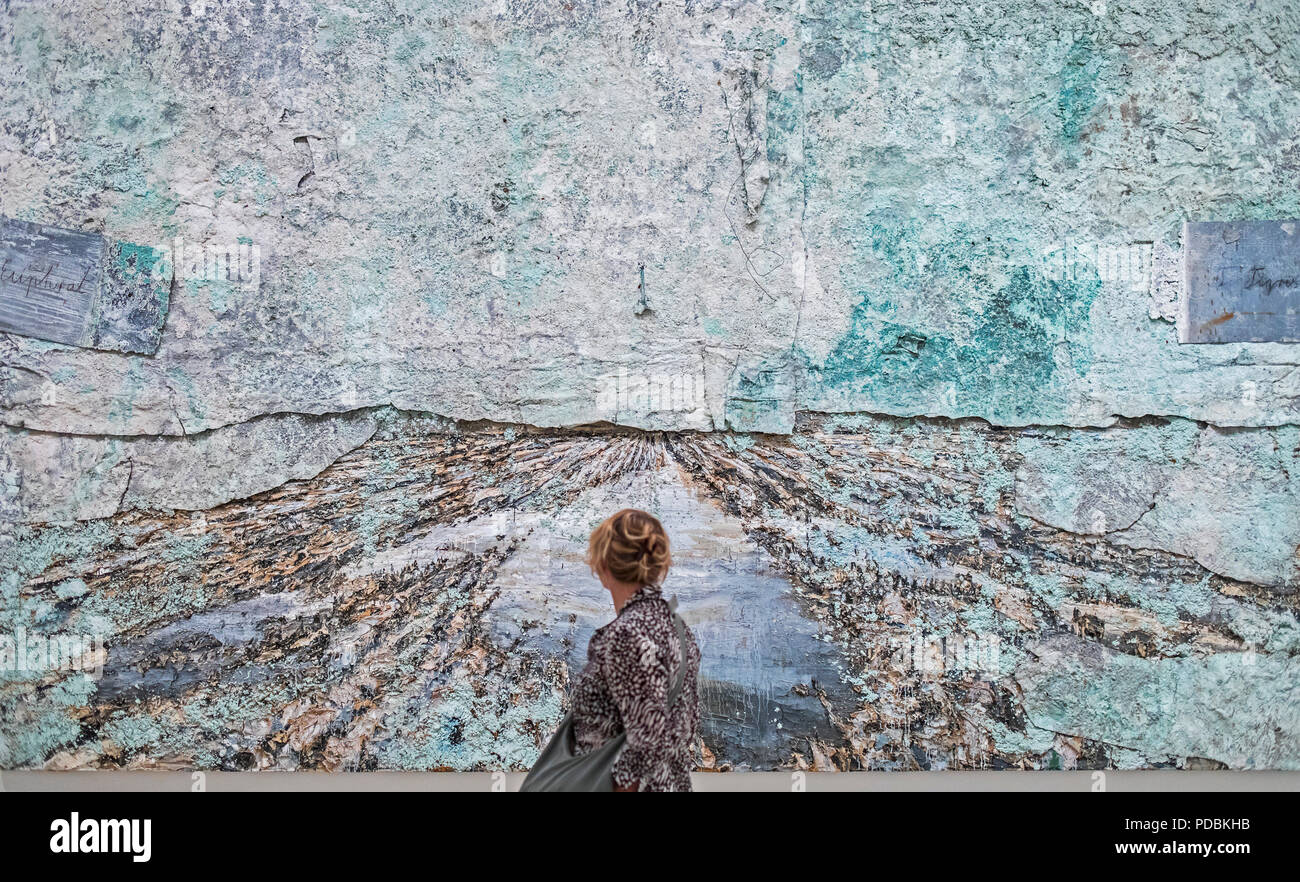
{"x": 812, "y": 782}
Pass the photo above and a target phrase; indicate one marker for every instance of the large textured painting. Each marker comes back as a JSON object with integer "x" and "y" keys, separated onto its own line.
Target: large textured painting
{"x": 874, "y": 305}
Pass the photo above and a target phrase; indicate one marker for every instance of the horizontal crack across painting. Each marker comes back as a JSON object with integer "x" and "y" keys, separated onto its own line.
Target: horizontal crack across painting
{"x": 64, "y": 478}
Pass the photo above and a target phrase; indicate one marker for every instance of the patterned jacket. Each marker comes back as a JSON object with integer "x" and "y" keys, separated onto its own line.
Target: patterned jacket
{"x": 631, "y": 663}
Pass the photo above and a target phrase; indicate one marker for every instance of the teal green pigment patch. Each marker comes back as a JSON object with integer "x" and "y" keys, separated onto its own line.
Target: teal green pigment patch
{"x": 466, "y": 731}
{"x": 43, "y": 728}
{"x": 193, "y": 400}
{"x": 139, "y": 262}
{"x": 180, "y": 592}
{"x": 153, "y": 208}
{"x": 250, "y": 183}
{"x": 1078, "y": 92}
{"x": 34, "y": 549}
{"x": 122, "y": 405}
{"x": 997, "y": 356}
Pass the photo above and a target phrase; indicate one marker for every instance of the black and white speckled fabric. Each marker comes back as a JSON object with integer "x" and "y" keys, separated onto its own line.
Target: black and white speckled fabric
{"x": 631, "y": 663}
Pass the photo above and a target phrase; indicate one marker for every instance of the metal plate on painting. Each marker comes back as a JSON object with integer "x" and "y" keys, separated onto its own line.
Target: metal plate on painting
{"x": 1241, "y": 282}
{"x": 79, "y": 288}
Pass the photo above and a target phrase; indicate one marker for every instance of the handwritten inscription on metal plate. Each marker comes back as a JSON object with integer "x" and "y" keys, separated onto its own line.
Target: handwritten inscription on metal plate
{"x": 1241, "y": 282}
{"x": 73, "y": 287}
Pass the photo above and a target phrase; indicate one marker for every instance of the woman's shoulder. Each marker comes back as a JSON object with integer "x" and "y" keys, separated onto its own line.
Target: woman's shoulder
{"x": 651, "y": 613}
{"x": 649, "y": 619}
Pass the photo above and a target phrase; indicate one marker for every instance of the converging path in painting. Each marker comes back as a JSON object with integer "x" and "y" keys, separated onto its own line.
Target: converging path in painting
{"x": 869, "y": 593}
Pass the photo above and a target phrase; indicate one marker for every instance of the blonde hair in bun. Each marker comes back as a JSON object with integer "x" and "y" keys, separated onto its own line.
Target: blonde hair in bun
{"x": 632, "y": 546}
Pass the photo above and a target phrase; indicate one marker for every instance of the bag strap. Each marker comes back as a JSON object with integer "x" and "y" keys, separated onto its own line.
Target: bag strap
{"x": 676, "y": 689}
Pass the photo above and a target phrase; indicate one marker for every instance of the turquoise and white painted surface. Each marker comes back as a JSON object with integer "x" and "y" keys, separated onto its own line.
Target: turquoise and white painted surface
{"x": 874, "y": 303}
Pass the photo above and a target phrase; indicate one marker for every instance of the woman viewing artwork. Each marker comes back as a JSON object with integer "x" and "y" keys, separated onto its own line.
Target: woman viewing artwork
{"x": 639, "y": 686}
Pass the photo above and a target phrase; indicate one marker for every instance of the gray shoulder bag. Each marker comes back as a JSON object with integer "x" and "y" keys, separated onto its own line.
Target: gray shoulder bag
{"x": 559, "y": 770}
